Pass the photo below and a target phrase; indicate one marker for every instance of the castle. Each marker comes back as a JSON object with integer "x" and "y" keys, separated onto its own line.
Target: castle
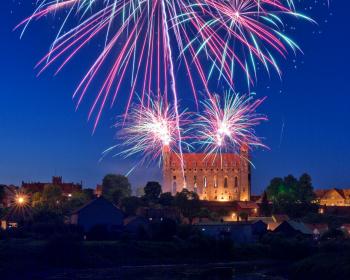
{"x": 67, "y": 188}
{"x": 224, "y": 177}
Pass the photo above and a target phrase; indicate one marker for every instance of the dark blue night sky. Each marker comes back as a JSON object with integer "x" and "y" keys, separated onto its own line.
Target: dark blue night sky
{"x": 308, "y": 128}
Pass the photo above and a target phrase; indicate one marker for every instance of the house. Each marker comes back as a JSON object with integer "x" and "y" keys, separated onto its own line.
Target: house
{"x": 14, "y": 218}
{"x": 98, "y": 212}
{"x": 293, "y": 228}
{"x": 272, "y": 222}
{"x": 333, "y": 197}
{"x": 236, "y": 231}
{"x": 259, "y": 228}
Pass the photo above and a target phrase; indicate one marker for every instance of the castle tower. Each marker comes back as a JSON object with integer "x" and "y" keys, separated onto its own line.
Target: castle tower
{"x": 245, "y": 176}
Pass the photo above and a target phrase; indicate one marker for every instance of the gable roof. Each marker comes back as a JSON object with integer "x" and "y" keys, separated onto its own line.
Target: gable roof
{"x": 343, "y": 193}
{"x": 297, "y": 226}
{"x": 94, "y": 201}
{"x": 280, "y": 218}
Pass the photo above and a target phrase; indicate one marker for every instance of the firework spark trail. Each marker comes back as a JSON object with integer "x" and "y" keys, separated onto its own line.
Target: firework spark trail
{"x": 209, "y": 27}
{"x": 227, "y": 125}
{"x": 173, "y": 86}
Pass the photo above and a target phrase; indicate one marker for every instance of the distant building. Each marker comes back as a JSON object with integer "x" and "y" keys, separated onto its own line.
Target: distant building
{"x": 293, "y": 228}
{"x": 249, "y": 207}
{"x": 67, "y": 188}
{"x": 333, "y": 197}
{"x": 14, "y": 218}
{"x": 98, "y": 212}
{"x": 272, "y": 222}
{"x": 98, "y": 191}
{"x": 212, "y": 177}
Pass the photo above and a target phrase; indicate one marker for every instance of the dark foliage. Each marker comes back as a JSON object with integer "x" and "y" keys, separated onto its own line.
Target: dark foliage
{"x": 152, "y": 191}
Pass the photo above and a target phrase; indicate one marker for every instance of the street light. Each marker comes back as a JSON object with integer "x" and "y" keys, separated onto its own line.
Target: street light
{"x": 20, "y": 200}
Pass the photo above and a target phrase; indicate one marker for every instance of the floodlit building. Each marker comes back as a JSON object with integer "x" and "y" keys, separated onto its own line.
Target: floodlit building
{"x": 333, "y": 197}
{"x": 224, "y": 177}
{"x": 67, "y": 188}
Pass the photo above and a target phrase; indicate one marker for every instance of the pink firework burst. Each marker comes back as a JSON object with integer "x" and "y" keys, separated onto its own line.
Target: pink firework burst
{"x": 225, "y": 125}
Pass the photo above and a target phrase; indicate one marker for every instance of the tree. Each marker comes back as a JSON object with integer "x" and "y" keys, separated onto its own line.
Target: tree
{"x": 243, "y": 216}
{"x": 188, "y": 203}
{"x": 305, "y": 191}
{"x": 115, "y": 187}
{"x": 166, "y": 199}
{"x": 52, "y": 195}
{"x": 152, "y": 191}
{"x": 2, "y": 193}
{"x": 36, "y": 199}
{"x": 89, "y": 193}
{"x": 77, "y": 200}
{"x": 291, "y": 196}
{"x": 273, "y": 188}
{"x": 130, "y": 205}
{"x": 265, "y": 206}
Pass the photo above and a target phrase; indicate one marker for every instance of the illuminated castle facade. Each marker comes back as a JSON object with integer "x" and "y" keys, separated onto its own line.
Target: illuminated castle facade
{"x": 212, "y": 177}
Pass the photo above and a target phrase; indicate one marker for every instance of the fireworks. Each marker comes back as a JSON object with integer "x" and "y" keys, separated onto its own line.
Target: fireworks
{"x": 227, "y": 125}
{"x": 150, "y": 131}
{"x": 146, "y": 40}
{"x": 245, "y": 32}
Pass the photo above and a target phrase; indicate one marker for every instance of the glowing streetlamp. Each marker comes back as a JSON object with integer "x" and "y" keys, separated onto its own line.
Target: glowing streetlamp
{"x": 20, "y": 200}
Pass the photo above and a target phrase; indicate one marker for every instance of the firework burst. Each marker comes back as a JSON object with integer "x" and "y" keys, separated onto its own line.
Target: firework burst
{"x": 224, "y": 126}
{"x": 146, "y": 40}
{"x": 150, "y": 131}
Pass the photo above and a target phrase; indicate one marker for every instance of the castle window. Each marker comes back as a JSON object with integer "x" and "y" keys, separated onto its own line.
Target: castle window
{"x": 236, "y": 182}
{"x": 195, "y": 179}
{"x": 215, "y": 182}
{"x": 205, "y": 181}
{"x": 174, "y": 177}
{"x": 174, "y": 187}
{"x": 225, "y": 183}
